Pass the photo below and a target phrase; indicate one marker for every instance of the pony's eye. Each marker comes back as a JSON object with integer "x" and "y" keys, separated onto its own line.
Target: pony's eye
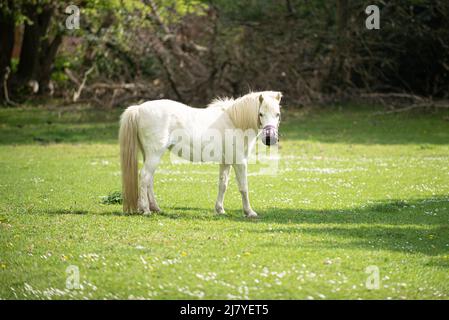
{"x": 277, "y": 115}
{"x": 261, "y": 114}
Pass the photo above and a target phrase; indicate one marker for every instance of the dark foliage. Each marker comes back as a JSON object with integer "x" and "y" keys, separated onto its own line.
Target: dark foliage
{"x": 194, "y": 50}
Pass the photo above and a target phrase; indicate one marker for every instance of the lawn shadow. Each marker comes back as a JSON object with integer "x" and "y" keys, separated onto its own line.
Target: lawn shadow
{"x": 67, "y": 211}
{"x": 85, "y": 212}
{"x": 412, "y": 226}
{"x": 361, "y": 125}
{"x": 391, "y": 211}
{"x": 46, "y": 126}
{"x": 348, "y": 124}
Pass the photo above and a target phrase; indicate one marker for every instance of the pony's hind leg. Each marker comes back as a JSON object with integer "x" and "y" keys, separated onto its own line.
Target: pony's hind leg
{"x": 147, "y": 201}
{"x": 143, "y": 203}
{"x": 222, "y": 185}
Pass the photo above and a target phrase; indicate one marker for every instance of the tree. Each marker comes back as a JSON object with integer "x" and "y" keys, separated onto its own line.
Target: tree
{"x": 7, "y": 27}
{"x": 41, "y": 40}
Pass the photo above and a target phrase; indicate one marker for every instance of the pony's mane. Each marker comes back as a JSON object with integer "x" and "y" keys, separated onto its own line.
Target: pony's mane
{"x": 243, "y": 111}
{"x": 221, "y": 102}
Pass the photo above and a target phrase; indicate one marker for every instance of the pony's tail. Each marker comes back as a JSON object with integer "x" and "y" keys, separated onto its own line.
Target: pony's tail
{"x": 128, "y": 159}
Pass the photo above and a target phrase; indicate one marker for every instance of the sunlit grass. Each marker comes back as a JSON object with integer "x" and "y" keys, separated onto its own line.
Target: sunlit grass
{"x": 352, "y": 190}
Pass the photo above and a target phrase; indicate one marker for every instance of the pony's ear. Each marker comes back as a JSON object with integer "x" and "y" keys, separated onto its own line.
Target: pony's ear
{"x": 261, "y": 99}
{"x": 279, "y": 96}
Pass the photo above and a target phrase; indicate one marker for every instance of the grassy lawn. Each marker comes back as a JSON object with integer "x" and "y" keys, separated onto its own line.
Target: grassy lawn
{"x": 353, "y": 190}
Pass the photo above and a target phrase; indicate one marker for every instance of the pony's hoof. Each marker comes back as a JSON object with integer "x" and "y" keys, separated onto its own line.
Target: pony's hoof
{"x": 142, "y": 209}
{"x": 155, "y": 209}
{"x": 251, "y": 214}
{"x": 219, "y": 210}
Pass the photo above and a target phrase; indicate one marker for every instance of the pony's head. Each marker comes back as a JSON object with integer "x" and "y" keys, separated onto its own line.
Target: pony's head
{"x": 269, "y": 116}
{"x": 256, "y": 111}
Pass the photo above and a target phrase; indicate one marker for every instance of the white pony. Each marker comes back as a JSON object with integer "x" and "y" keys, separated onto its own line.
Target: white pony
{"x": 155, "y": 126}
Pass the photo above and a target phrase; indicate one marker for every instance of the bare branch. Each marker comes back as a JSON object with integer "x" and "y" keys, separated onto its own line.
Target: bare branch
{"x": 77, "y": 94}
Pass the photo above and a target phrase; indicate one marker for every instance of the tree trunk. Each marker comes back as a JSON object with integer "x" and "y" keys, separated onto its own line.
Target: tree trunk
{"x": 290, "y": 8}
{"x": 342, "y": 41}
{"x": 31, "y": 45}
{"x": 46, "y": 60}
{"x": 342, "y": 17}
{"x": 7, "y": 32}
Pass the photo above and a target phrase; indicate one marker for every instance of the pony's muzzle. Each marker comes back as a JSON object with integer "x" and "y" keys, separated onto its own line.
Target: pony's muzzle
{"x": 269, "y": 135}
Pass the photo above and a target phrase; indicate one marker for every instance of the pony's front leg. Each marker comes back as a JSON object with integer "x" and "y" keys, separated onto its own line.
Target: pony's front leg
{"x": 223, "y": 179}
{"x": 242, "y": 180}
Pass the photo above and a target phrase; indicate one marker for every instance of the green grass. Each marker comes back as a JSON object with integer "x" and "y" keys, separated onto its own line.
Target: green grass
{"x": 353, "y": 190}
